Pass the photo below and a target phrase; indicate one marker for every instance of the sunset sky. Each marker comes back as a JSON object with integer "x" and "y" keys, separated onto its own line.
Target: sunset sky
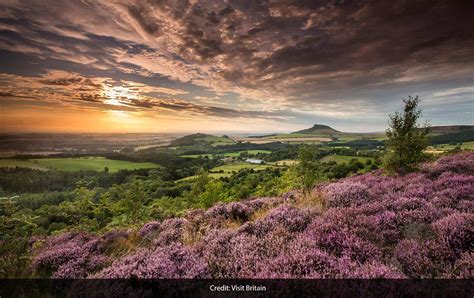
{"x": 237, "y": 66}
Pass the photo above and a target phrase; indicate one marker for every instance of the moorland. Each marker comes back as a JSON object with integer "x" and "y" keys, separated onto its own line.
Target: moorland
{"x": 78, "y": 206}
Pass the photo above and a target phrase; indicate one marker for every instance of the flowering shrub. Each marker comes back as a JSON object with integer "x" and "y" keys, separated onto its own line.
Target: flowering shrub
{"x": 286, "y": 217}
{"x": 171, "y": 231}
{"x": 264, "y": 202}
{"x": 173, "y": 261}
{"x": 235, "y": 211}
{"x": 460, "y": 163}
{"x": 345, "y": 194}
{"x": 414, "y": 258}
{"x": 417, "y": 226}
{"x": 456, "y": 231}
{"x": 71, "y": 255}
{"x": 149, "y": 228}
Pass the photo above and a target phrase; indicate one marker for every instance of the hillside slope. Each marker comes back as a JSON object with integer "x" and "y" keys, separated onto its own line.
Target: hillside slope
{"x": 449, "y": 129}
{"x": 451, "y": 134}
{"x": 200, "y": 139}
{"x": 317, "y": 129}
{"x": 371, "y": 226}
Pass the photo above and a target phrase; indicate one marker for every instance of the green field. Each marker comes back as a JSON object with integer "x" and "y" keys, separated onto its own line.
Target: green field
{"x": 215, "y": 140}
{"x": 77, "y": 164}
{"x": 284, "y": 162}
{"x": 465, "y": 145}
{"x": 13, "y": 163}
{"x": 235, "y": 167}
{"x": 228, "y": 154}
{"x": 345, "y": 158}
{"x": 235, "y": 154}
{"x": 212, "y": 175}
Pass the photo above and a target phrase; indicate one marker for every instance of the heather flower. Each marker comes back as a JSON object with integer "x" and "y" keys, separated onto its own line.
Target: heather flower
{"x": 344, "y": 243}
{"x": 300, "y": 263}
{"x": 234, "y": 210}
{"x": 71, "y": 255}
{"x": 115, "y": 234}
{"x": 414, "y": 210}
{"x": 81, "y": 267}
{"x": 462, "y": 163}
{"x": 414, "y": 259}
{"x": 345, "y": 194}
{"x": 195, "y": 215}
{"x": 283, "y": 218}
{"x": 262, "y": 203}
{"x": 171, "y": 231}
{"x": 377, "y": 270}
{"x": 418, "y": 225}
{"x": 463, "y": 268}
{"x": 149, "y": 228}
{"x": 455, "y": 231}
{"x": 173, "y": 261}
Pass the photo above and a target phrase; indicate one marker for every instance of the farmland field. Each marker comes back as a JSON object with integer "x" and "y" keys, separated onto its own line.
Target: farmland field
{"x": 235, "y": 167}
{"x": 76, "y": 164}
{"x": 345, "y": 158}
{"x": 286, "y": 138}
{"x": 285, "y": 162}
{"x": 215, "y": 141}
{"x": 228, "y": 154}
{"x": 13, "y": 163}
{"x": 211, "y": 175}
{"x": 465, "y": 145}
{"x": 235, "y": 154}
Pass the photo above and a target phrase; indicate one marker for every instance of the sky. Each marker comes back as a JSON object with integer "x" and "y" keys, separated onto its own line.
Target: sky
{"x": 231, "y": 66}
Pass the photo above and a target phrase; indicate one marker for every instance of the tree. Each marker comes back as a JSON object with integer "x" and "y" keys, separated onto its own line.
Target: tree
{"x": 199, "y": 185}
{"x": 133, "y": 202}
{"x": 307, "y": 167}
{"x": 406, "y": 138}
{"x": 214, "y": 192}
{"x": 16, "y": 229}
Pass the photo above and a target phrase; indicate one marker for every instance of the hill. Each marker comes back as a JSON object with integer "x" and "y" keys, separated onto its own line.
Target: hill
{"x": 317, "y": 129}
{"x": 450, "y": 129}
{"x": 366, "y": 226}
{"x": 200, "y": 139}
{"x": 451, "y": 134}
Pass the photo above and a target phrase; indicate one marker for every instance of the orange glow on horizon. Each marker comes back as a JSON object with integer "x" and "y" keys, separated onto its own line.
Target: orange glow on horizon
{"x": 22, "y": 119}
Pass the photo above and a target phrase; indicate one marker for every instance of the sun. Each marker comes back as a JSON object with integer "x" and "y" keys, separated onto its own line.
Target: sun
{"x": 119, "y": 95}
{"x": 113, "y": 102}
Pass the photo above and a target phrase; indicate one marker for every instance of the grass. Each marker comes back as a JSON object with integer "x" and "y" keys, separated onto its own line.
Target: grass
{"x": 442, "y": 148}
{"x": 235, "y": 167}
{"x": 345, "y": 158}
{"x": 235, "y": 154}
{"x": 228, "y": 154}
{"x": 77, "y": 164}
{"x": 285, "y": 162}
{"x": 13, "y": 163}
{"x": 220, "y": 143}
{"x": 216, "y": 141}
{"x": 211, "y": 175}
{"x": 465, "y": 145}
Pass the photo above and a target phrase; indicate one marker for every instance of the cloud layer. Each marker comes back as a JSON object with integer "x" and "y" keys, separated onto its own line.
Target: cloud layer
{"x": 293, "y": 61}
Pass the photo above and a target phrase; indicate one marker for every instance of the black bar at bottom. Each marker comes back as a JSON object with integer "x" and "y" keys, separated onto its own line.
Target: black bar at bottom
{"x": 234, "y": 288}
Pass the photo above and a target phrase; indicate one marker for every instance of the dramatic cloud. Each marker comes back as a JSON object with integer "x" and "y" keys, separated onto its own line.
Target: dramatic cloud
{"x": 296, "y": 61}
{"x": 73, "y": 90}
